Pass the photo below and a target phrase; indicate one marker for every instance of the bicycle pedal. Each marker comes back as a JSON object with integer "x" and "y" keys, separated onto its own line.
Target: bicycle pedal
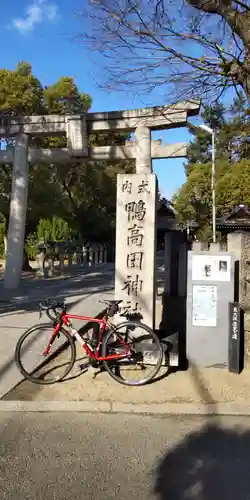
{"x": 83, "y": 366}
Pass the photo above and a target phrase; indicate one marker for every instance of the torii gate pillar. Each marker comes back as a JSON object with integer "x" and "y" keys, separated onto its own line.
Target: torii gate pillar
{"x": 17, "y": 215}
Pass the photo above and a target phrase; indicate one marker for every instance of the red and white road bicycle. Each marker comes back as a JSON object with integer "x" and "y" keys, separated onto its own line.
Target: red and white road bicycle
{"x": 130, "y": 351}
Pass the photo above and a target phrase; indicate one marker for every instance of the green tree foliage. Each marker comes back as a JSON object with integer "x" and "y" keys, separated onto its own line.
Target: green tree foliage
{"x": 63, "y": 97}
{"x": 193, "y": 201}
{"x": 20, "y": 91}
{"x": 2, "y": 234}
{"x": 30, "y": 246}
{"x": 90, "y": 197}
{"x": 83, "y": 195}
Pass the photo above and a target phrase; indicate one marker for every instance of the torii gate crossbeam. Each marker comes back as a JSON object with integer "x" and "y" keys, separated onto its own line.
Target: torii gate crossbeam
{"x": 77, "y": 128}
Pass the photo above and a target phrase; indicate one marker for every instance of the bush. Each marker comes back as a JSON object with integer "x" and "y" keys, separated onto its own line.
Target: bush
{"x": 56, "y": 230}
{"x": 31, "y": 246}
{"x": 2, "y": 235}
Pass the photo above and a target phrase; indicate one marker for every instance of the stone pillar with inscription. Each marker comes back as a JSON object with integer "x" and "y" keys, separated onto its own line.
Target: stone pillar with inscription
{"x": 135, "y": 274}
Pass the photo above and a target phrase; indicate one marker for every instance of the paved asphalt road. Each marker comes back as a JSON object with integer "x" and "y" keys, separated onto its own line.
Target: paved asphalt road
{"x": 78, "y": 456}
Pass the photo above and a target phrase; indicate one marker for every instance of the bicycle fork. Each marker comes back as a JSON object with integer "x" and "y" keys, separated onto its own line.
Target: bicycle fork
{"x": 52, "y": 339}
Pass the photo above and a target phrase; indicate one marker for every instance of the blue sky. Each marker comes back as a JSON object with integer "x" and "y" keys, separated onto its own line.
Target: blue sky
{"x": 43, "y": 33}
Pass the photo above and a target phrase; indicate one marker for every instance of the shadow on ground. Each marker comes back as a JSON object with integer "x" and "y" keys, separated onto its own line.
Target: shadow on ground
{"x": 212, "y": 463}
{"x": 31, "y": 291}
{"x": 27, "y": 299}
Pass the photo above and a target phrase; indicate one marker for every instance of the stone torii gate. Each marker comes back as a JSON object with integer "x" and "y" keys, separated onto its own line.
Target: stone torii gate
{"x": 136, "y": 193}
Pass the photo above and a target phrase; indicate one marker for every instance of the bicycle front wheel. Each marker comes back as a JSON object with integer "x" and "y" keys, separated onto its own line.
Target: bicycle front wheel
{"x": 140, "y": 350}
{"x": 37, "y": 366}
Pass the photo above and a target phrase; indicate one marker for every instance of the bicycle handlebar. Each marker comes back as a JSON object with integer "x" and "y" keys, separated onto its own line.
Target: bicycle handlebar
{"x": 52, "y": 305}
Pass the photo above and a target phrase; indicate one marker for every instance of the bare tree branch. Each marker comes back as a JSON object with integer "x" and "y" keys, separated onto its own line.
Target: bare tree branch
{"x": 190, "y": 48}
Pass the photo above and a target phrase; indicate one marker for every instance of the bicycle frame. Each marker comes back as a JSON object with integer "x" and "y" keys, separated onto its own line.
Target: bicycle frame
{"x": 94, "y": 354}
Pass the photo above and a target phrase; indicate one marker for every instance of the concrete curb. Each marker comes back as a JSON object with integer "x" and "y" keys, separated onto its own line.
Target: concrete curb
{"x": 228, "y": 408}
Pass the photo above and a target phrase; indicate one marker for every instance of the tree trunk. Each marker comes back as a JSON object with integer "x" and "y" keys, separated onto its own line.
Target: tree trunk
{"x": 239, "y": 22}
{"x": 246, "y": 74}
{"x": 26, "y": 266}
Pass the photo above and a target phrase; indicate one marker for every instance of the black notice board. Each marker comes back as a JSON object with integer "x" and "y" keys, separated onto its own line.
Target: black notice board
{"x": 236, "y": 338}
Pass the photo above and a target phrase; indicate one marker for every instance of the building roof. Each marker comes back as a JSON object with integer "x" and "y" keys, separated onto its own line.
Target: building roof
{"x": 238, "y": 218}
{"x": 165, "y": 208}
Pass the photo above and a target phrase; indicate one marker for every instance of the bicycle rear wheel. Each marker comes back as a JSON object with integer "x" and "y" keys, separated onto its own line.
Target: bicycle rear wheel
{"x": 141, "y": 353}
{"x": 38, "y": 367}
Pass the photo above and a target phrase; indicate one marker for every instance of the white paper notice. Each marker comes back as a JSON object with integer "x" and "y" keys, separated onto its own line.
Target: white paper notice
{"x": 204, "y": 305}
{"x": 211, "y": 267}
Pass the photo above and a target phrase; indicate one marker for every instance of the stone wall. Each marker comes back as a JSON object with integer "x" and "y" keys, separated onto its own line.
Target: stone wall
{"x": 238, "y": 244}
{"x": 174, "y": 296}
